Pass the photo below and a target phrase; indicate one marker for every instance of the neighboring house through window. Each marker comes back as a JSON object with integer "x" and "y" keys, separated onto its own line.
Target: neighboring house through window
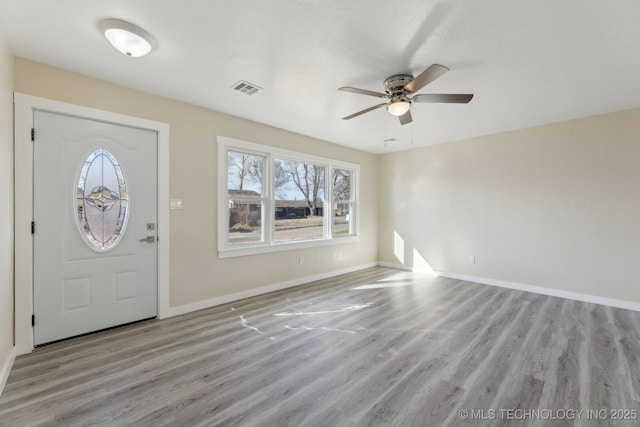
{"x": 272, "y": 199}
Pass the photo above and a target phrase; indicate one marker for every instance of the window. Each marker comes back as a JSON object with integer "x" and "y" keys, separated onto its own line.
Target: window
{"x": 300, "y": 194}
{"x": 245, "y": 189}
{"x": 277, "y": 199}
{"x": 343, "y": 202}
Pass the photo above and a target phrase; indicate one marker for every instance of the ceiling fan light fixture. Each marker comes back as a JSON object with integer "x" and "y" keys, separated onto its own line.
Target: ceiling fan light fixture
{"x": 398, "y": 107}
{"x": 127, "y": 38}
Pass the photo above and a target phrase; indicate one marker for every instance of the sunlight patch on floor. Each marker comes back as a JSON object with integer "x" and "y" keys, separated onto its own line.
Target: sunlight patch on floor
{"x": 384, "y": 284}
{"x": 244, "y": 323}
{"x": 353, "y": 307}
{"x": 400, "y": 280}
{"x": 323, "y": 328}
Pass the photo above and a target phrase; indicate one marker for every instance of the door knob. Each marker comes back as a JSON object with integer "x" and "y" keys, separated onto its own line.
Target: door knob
{"x": 149, "y": 239}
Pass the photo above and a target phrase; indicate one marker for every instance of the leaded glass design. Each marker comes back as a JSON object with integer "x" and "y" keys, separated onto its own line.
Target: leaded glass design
{"x": 102, "y": 200}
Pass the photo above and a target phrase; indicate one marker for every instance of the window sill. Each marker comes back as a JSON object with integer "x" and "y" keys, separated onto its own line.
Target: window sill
{"x": 231, "y": 252}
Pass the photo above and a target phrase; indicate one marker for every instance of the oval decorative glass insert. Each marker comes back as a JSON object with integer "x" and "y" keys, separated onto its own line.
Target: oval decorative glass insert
{"x": 102, "y": 200}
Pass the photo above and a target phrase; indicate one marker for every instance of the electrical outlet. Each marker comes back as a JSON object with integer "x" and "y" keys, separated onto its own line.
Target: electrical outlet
{"x": 472, "y": 259}
{"x": 301, "y": 260}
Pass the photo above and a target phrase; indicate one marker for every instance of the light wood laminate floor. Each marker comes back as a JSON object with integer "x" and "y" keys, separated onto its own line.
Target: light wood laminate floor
{"x": 374, "y": 348}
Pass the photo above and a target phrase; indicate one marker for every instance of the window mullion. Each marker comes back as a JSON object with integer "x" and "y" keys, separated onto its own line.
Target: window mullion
{"x": 223, "y": 210}
{"x": 328, "y": 194}
{"x": 225, "y": 229}
{"x": 269, "y": 217}
{"x": 354, "y": 199}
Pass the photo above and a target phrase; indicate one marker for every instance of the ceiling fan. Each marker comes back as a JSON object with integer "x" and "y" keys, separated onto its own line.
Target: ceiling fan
{"x": 400, "y": 90}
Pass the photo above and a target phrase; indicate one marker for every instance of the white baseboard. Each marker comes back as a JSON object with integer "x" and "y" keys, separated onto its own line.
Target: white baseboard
{"x": 6, "y": 368}
{"x": 611, "y": 302}
{"x": 200, "y": 305}
{"x": 394, "y": 265}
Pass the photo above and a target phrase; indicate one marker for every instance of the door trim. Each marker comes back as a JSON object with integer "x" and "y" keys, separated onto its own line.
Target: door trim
{"x": 24, "y": 106}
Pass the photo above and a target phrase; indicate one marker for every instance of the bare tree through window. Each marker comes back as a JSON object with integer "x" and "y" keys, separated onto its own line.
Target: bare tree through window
{"x": 343, "y": 204}
{"x": 245, "y": 196}
{"x": 275, "y": 197}
{"x": 308, "y": 181}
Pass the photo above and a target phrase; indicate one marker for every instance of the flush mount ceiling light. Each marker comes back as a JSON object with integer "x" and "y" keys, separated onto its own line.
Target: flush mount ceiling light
{"x": 127, "y": 38}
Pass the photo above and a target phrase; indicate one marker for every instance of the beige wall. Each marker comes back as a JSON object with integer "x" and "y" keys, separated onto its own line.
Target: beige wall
{"x": 555, "y": 206}
{"x": 196, "y": 272}
{"x": 6, "y": 206}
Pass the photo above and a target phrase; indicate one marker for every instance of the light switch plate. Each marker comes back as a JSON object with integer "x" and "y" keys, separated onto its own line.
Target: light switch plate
{"x": 176, "y": 204}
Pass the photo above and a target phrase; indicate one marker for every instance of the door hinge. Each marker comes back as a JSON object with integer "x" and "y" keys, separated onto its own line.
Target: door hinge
{"x": 33, "y": 134}
{"x": 33, "y": 320}
{"x": 33, "y": 227}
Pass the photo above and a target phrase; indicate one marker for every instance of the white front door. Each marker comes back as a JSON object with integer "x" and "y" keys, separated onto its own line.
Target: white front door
{"x": 95, "y": 225}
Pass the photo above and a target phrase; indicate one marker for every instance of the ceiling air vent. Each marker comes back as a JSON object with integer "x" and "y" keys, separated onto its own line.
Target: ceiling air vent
{"x": 246, "y": 87}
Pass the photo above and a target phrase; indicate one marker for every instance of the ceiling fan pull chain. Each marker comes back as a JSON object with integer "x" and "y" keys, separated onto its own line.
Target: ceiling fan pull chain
{"x": 412, "y": 133}
{"x": 386, "y": 141}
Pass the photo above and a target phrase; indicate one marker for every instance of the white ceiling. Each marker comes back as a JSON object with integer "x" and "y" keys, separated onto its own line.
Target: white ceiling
{"x": 527, "y": 62}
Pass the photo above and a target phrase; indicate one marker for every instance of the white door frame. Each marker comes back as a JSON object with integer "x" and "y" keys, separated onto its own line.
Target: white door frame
{"x": 24, "y": 106}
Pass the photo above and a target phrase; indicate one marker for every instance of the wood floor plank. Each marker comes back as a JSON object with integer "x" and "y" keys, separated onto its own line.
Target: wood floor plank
{"x": 378, "y": 347}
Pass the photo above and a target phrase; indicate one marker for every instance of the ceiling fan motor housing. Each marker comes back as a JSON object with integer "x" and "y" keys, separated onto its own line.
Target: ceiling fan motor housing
{"x": 395, "y": 84}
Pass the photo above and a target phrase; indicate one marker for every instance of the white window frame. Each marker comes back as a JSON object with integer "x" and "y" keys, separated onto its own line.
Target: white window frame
{"x": 269, "y": 244}
{"x": 352, "y": 202}
{"x": 264, "y": 196}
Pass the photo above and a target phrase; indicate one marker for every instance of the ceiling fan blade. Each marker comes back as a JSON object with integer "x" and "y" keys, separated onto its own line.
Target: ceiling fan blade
{"x": 406, "y": 118}
{"x": 458, "y": 98}
{"x": 427, "y": 76}
{"x": 364, "y": 111}
{"x": 363, "y": 92}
